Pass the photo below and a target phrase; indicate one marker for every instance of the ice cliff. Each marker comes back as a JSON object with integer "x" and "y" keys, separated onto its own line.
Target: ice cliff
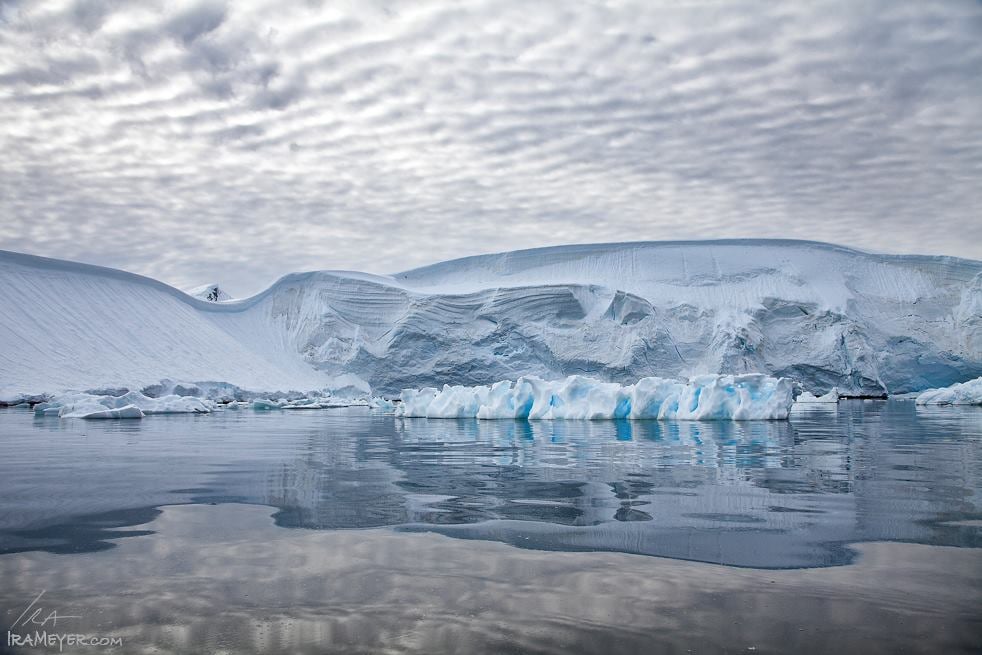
{"x": 820, "y": 314}
{"x": 705, "y": 397}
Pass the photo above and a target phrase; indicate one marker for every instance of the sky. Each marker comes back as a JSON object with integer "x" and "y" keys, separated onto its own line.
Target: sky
{"x": 205, "y": 141}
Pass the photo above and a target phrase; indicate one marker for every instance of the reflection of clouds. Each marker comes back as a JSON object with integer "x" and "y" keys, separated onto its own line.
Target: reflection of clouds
{"x": 214, "y": 578}
{"x": 413, "y": 132}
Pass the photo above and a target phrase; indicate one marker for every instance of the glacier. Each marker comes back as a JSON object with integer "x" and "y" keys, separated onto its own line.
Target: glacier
{"x": 705, "y": 397}
{"x": 820, "y": 314}
{"x": 965, "y": 393}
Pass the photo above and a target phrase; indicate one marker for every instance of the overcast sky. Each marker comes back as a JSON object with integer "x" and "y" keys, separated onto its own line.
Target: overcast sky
{"x": 237, "y": 141}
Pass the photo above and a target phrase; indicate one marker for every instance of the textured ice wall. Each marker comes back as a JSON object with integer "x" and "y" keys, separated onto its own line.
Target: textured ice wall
{"x": 705, "y": 397}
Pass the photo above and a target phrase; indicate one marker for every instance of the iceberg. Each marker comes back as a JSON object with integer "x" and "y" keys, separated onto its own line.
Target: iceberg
{"x": 704, "y": 397}
{"x": 965, "y": 393}
{"x": 101, "y": 411}
{"x": 824, "y": 315}
{"x": 132, "y": 404}
{"x": 831, "y": 397}
{"x": 382, "y": 405}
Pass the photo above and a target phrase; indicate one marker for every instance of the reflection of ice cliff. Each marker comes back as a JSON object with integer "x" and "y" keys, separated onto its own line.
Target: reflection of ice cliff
{"x": 788, "y": 493}
{"x": 754, "y": 494}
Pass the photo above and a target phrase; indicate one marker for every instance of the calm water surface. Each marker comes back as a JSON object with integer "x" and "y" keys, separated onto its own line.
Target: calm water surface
{"x": 852, "y": 528}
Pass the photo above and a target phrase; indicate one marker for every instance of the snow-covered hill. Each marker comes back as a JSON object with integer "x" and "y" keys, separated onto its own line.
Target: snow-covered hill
{"x": 822, "y": 314}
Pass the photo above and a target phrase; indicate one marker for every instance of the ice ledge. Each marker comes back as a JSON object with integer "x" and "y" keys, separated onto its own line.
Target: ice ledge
{"x": 704, "y": 397}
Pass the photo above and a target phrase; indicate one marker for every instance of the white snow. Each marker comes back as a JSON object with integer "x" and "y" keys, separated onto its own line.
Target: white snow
{"x": 705, "y": 397}
{"x": 831, "y": 397}
{"x": 820, "y": 314}
{"x": 965, "y": 393}
{"x": 67, "y": 326}
{"x": 132, "y": 404}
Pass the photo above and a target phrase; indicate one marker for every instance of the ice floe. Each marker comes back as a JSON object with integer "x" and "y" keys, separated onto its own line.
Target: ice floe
{"x": 965, "y": 393}
{"x": 132, "y": 404}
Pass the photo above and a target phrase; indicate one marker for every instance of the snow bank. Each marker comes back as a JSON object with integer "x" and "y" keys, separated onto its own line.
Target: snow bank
{"x": 831, "y": 397}
{"x": 965, "y": 393}
{"x": 705, "y": 397}
{"x": 129, "y": 405}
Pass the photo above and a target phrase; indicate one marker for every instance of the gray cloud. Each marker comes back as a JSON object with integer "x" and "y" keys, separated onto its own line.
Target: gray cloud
{"x": 238, "y": 141}
{"x": 196, "y": 21}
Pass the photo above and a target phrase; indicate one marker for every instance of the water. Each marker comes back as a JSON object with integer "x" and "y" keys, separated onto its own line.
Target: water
{"x": 855, "y": 527}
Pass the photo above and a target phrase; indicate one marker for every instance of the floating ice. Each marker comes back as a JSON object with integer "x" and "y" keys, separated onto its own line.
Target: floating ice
{"x": 383, "y": 405}
{"x": 831, "y": 397}
{"x": 705, "y": 397}
{"x": 305, "y": 403}
{"x": 95, "y": 410}
{"x": 326, "y": 402}
{"x": 965, "y": 393}
{"x": 129, "y": 405}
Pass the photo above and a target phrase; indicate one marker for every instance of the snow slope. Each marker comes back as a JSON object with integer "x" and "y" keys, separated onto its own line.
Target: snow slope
{"x": 71, "y": 326}
{"x": 821, "y": 314}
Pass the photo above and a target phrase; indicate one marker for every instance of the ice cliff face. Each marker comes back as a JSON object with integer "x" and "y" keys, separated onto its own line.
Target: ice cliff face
{"x": 824, "y": 315}
{"x": 821, "y": 314}
{"x": 705, "y": 397}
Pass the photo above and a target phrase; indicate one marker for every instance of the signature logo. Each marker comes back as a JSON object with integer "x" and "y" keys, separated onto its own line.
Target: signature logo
{"x": 41, "y": 625}
{"x": 37, "y": 617}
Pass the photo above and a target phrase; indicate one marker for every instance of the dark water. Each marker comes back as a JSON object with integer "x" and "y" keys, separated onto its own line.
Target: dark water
{"x": 101, "y": 515}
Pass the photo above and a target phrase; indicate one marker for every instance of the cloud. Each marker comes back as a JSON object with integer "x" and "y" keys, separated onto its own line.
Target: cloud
{"x": 209, "y": 140}
{"x": 196, "y": 21}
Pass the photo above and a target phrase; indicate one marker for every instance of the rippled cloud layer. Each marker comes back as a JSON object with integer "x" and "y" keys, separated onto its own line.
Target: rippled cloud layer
{"x": 237, "y": 141}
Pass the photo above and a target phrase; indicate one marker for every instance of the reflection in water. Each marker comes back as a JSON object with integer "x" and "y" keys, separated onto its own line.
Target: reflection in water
{"x": 769, "y": 494}
{"x": 225, "y": 579}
